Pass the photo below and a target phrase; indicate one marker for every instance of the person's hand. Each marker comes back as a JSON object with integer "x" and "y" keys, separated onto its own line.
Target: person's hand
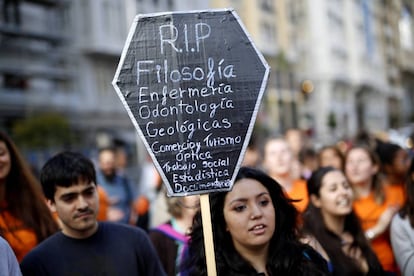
{"x": 354, "y": 252}
{"x": 385, "y": 219}
{"x": 383, "y": 222}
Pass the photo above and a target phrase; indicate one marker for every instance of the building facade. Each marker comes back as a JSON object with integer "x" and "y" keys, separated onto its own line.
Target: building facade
{"x": 61, "y": 56}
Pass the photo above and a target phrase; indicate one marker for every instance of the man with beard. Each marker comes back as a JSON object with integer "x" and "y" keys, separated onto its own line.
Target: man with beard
{"x": 84, "y": 246}
{"x": 120, "y": 192}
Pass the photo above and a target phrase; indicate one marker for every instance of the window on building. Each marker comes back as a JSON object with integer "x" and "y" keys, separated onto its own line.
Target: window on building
{"x": 266, "y": 5}
{"x": 112, "y": 19}
{"x": 405, "y": 28}
{"x": 170, "y": 4}
{"x": 103, "y": 72}
{"x": 86, "y": 18}
{"x": 14, "y": 81}
{"x": 268, "y": 32}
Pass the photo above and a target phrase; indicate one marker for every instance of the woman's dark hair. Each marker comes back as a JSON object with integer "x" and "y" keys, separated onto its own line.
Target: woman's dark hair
{"x": 387, "y": 152}
{"x": 65, "y": 169}
{"x": 286, "y": 253}
{"x": 313, "y": 224}
{"x": 337, "y": 151}
{"x": 408, "y": 207}
{"x": 24, "y": 196}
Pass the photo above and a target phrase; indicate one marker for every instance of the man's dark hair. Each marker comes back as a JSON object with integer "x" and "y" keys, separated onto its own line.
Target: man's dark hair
{"x": 64, "y": 170}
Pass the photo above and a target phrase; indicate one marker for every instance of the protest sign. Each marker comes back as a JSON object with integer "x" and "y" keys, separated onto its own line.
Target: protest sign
{"x": 192, "y": 83}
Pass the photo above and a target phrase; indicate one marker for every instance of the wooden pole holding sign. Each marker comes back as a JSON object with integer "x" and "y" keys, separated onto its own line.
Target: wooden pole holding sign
{"x": 192, "y": 83}
{"x": 208, "y": 235}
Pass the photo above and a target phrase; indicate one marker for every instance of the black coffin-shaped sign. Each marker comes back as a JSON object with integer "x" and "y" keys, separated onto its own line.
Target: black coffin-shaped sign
{"x": 192, "y": 83}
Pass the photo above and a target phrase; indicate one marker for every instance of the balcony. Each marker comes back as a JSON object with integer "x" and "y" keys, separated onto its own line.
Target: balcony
{"x": 14, "y": 31}
{"x": 48, "y": 3}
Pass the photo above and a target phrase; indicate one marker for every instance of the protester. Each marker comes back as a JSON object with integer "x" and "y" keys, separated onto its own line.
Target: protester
{"x": 120, "y": 192}
{"x": 158, "y": 209}
{"x": 332, "y": 228}
{"x": 331, "y": 155}
{"x": 141, "y": 203}
{"x": 402, "y": 229}
{"x": 278, "y": 162}
{"x": 373, "y": 203}
{"x": 86, "y": 246}
{"x": 170, "y": 239}
{"x": 308, "y": 161}
{"x": 25, "y": 219}
{"x": 394, "y": 166}
{"x": 296, "y": 140}
{"x": 8, "y": 262}
{"x": 252, "y": 155}
{"x": 254, "y": 231}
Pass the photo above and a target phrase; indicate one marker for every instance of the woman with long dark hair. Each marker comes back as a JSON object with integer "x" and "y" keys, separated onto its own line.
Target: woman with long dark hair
{"x": 254, "y": 230}
{"x": 25, "y": 219}
{"x": 333, "y": 229}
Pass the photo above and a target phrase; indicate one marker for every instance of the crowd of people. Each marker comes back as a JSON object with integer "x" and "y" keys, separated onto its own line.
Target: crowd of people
{"x": 294, "y": 209}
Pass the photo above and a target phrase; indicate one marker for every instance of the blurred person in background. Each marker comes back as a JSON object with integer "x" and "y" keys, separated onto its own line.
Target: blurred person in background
{"x": 252, "y": 155}
{"x": 331, "y": 156}
{"x": 373, "y": 204}
{"x": 395, "y": 163}
{"x": 278, "y": 162}
{"x": 295, "y": 139}
{"x": 332, "y": 228}
{"x": 8, "y": 262}
{"x": 308, "y": 161}
{"x": 25, "y": 219}
{"x": 402, "y": 229}
{"x": 141, "y": 202}
{"x": 170, "y": 239}
{"x": 121, "y": 160}
{"x": 121, "y": 194}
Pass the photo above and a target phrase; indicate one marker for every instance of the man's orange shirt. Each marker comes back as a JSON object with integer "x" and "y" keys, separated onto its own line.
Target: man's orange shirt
{"x": 103, "y": 204}
{"x": 369, "y": 213}
{"x": 20, "y": 238}
{"x": 299, "y": 191}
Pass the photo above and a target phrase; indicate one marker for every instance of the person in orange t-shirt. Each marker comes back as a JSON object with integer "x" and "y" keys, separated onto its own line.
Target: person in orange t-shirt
{"x": 25, "y": 219}
{"x": 374, "y": 204}
{"x": 21, "y": 239}
{"x": 278, "y": 162}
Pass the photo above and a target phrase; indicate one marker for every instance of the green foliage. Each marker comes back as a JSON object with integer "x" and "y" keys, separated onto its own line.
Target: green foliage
{"x": 43, "y": 131}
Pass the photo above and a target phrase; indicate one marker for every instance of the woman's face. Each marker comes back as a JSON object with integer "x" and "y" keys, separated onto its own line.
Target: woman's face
{"x": 5, "y": 161}
{"x": 335, "y": 195}
{"x": 359, "y": 167}
{"x": 329, "y": 157}
{"x": 190, "y": 205}
{"x": 249, "y": 215}
{"x": 401, "y": 163}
